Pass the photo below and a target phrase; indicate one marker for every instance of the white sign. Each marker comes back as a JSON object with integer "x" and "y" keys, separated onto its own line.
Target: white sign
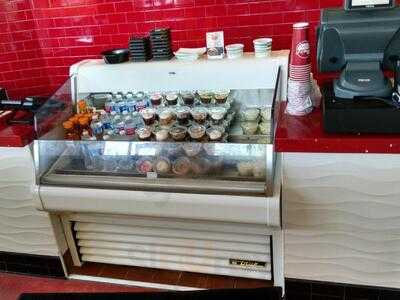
{"x": 370, "y": 2}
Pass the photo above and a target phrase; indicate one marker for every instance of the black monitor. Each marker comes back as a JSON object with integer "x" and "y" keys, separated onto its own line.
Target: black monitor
{"x": 361, "y": 44}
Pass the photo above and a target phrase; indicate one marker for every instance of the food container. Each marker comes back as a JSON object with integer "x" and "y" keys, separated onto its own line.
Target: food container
{"x": 144, "y": 165}
{"x": 115, "y": 56}
{"x": 205, "y": 96}
{"x": 162, "y": 165}
{"x": 250, "y": 114}
{"x": 149, "y": 116}
{"x": 234, "y": 51}
{"x": 197, "y": 132}
{"x": 264, "y": 128}
{"x": 171, "y": 99}
{"x": 266, "y": 113}
{"x": 156, "y": 99}
{"x": 199, "y": 115}
{"x": 249, "y": 128}
{"x": 259, "y": 170}
{"x": 221, "y": 96}
{"x": 161, "y": 134}
{"x": 166, "y": 116}
{"x": 144, "y": 133}
{"x": 183, "y": 114}
{"x": 188, "y": 98}
{"x": 262, "y": 47}
{"x": 245, "y": 168}
{"x": 178, "y": 133}
{"x": 200, "y": 166}
{"x": 217, "y": 114}
{"x": 181, "y": 166}
{"x": 215, "y": 133}
{"x": 192, "y": 149}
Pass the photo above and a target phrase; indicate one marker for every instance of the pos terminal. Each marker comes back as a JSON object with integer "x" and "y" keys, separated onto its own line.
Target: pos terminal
{"x": 361, "y": 41}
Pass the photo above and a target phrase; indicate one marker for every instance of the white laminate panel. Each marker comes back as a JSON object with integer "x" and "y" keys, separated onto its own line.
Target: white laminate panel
{"x": 23, "y": 229}
{"x": 342, "y": 218}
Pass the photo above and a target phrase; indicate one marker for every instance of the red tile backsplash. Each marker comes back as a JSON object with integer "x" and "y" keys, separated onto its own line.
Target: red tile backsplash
{"x": 40, "y": 39}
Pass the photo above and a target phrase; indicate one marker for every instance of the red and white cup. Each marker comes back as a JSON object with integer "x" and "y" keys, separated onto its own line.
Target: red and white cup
{"x": 299, "y": 84}
{"x": 300, "y": 54}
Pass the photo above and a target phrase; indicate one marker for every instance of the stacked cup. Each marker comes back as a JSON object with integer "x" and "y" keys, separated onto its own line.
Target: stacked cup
{"x": 299, "y": 84}
{"x": 262, "y": 47}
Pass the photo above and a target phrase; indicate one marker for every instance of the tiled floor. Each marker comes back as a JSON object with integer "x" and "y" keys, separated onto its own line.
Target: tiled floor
{"x": 12, "y": 285}
{"x": 169, "y": 277}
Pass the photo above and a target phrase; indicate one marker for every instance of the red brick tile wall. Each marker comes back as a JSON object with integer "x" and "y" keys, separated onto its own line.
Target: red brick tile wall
{"x": 40, "y": 39}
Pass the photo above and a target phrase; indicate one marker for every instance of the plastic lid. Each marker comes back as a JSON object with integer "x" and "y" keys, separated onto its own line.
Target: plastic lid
{"x": 301, "y": 25}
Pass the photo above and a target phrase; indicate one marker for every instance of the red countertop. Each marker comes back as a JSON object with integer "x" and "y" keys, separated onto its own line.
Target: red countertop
{"x": 14, "y": 135}
{"x": 305, "y": 134}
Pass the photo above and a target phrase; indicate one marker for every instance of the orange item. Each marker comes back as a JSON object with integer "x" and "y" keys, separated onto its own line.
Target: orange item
{"x": 70, "y": 133}
{"x": 82, "y": 107}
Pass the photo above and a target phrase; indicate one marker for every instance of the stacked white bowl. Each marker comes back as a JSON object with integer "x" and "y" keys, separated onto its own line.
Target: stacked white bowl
{"x": 234, "y": 51}
{"x": 262, "y": 47}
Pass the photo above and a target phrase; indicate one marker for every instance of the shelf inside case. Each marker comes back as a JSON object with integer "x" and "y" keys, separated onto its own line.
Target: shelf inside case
{"x": 213, "y": 168}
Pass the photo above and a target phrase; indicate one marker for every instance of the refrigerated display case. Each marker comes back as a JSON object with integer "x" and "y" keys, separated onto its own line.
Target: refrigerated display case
{"x": 190, "y": 203}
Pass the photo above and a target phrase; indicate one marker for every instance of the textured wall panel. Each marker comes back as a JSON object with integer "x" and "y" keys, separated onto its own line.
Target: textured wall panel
{"x": 342, "y": 218}
{"x": 23, "y": 229}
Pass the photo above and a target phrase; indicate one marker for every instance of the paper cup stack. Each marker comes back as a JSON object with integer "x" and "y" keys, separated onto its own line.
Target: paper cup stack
{"x": 262, "y": 47}
{"x": 234, "y": 51}
{"x": 299, "y": 84}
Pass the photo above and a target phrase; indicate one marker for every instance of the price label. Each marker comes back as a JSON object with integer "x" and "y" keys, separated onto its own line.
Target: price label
{"x": 152, "y": 175}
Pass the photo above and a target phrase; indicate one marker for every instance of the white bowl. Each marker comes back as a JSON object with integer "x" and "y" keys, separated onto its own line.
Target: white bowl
{"x": 262, "y": 41}
{"x": 234, "y": 55}
{"x": 234, "y": 47}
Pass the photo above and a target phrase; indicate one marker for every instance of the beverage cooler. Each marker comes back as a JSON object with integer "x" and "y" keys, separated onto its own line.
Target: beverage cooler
{"x": 191, "y": 183}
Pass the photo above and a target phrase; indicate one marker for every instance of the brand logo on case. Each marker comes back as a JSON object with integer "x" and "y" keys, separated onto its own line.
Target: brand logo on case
{"x": 247, "y": 263}
{"x": 303, "y": 49}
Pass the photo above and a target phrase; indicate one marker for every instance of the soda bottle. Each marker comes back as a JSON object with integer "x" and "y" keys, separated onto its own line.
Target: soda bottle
{"x": 97, "y": 129}
{"x": 130, "y": 127}
{"x": 141, "y": 102}
{"x": 130, "y": 103}
{"x": 109, "y": 104}
{"x": 105, "y": 120}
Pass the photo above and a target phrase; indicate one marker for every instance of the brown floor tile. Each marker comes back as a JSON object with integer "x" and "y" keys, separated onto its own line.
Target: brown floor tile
{"x": 220, "y": 282}
{"x": 114, "y": 271}
{"x": 243, "y": 283}
{"x": 193, "y": 280}
{"x": 140, "y": 274}
{"x": 88, "y": 268}
{"x": 167, "y": 276}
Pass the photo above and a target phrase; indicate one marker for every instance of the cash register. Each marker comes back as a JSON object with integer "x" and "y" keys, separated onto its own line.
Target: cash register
{"x": 362, "y": 42}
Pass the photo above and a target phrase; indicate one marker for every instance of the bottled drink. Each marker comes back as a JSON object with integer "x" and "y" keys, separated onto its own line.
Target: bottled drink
{"x": 137, "y": 120}
{"x": 97, "y": 129}
{"x": 109, "y": 104}
{"x": 130, "y": 127}
{"x": 105, "y": 120}
{"x": 130, "y": 103}
{"x": 141, "y": 102}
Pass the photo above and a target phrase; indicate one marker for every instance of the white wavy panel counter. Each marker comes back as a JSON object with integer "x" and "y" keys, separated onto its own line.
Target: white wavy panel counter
{"x": 23, "y": 229}
{"x": 342, "y": 218}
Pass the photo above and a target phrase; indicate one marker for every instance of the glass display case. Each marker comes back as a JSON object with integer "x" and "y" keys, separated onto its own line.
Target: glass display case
{"x": 170, "y": 135}
{"x": 239, "y": 162}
